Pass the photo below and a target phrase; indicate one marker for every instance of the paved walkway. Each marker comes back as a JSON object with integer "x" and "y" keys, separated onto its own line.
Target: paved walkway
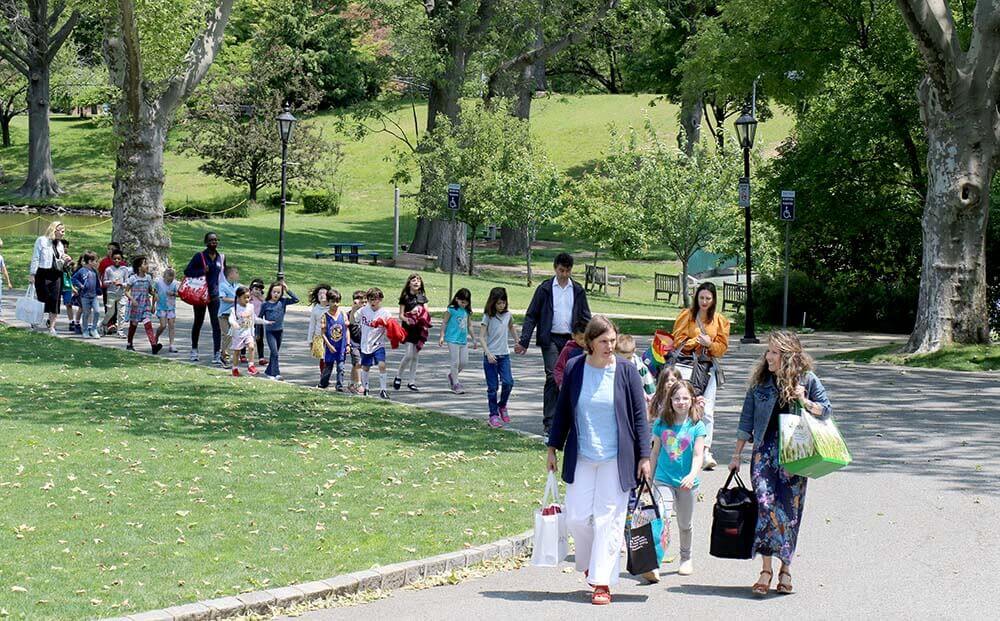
{"x": 909, "y": 530}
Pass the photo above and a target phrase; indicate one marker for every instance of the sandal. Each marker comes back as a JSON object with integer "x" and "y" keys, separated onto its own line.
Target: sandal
{"x": 601, "y": 596}
{"x": 760, "y": 588}
{"x": 784, "y": 586}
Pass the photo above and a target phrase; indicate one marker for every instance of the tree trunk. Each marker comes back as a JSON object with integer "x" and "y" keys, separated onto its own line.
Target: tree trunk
{"x": 448, "y": 239}
{"x": 41, "y": 181}
{"x": 527, "y": 252}
{"x": 690, "y": 131}
{"x": 513, "y": 241}
{"x": 419, "y": 244}
{"x": 684, "y": 282}
{"x": 137, "y": 214}
{"x": 472, "y": 250}
{"x": 961, "y": 152}
{"x": 525, "y": 91}
{"x": 5, "y": 129}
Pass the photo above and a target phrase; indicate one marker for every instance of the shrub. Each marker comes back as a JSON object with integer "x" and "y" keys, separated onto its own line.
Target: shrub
{"x": 274, "y": 199}
{"x": 320, "y": 201}
{"x": 227, "y": 207}
{"x": 846, "y": 302}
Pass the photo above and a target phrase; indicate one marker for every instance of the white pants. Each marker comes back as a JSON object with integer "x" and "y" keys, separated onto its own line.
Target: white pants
{"x": 459, "y": 355}
{"x": 708, "y": 417}
{"x": 595, "y": 514}
{"x": 409, "y": 361}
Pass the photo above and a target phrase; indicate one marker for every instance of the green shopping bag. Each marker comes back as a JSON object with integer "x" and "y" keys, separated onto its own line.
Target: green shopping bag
{"x": 811, "y": 447}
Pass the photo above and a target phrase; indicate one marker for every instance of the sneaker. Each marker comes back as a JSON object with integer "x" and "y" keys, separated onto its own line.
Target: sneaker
{"x": 157, "y": 347}
{"x": 261, "y": 362}
{"x": 194, "y": 355}
{"x": 710, "y": 462}
{"x": 217, "y": 359}
{"x": 271, "y": 377}
{"x": 129, "y": 347}
{"x": 495, "y": 421}
{"x": 52, "y": 331}
{"x": 503, "y": 414}
{"x": 413, "y": 387}
{"x": 451, "y": 381}
{"x": 396, "y": 383}
{"x": 236, "y": 372}
{"x": 279, "y": 378}
{"x": 173, "y": 349}
{"x": 457, "y": 389}
{"x": 252, "y": 369}
{"x": 364, "y": 393}
{"x": 243, "y": 359}
{"x": 383, "y": 395}
{"x": 340, "y": 388}
{"x": 686, "y": 568}
{"x": 652, "y": 577}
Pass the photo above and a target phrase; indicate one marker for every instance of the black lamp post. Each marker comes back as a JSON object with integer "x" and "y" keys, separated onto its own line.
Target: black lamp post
{"x": 746, "y": 131}
{"x": 285, "y": 123}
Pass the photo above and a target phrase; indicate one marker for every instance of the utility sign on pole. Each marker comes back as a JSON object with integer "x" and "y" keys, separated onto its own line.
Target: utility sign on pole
{"x": 787, "y": 212}
{"x": 454, "y": 204}
{"x": 744, "y": 189}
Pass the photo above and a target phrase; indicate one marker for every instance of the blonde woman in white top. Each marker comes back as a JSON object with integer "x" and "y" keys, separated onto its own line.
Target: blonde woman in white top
{"x": 46, "y": 269}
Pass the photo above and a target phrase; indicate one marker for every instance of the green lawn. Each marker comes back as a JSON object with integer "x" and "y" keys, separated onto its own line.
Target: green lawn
{"x": 955, "y": 358}
{"x": 130, "y": 482}
{"x": 572, "y": 129}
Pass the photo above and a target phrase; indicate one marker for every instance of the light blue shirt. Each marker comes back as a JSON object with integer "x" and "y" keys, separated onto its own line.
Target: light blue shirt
{"x": 456, "y": 331}
{"x": 597, "y": 426}
{"x": 226, "y": 290}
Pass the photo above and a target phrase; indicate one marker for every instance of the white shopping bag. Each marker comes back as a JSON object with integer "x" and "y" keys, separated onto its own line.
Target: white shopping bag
{"x": 551, "y": 543}
{"x": 29, "y": 309}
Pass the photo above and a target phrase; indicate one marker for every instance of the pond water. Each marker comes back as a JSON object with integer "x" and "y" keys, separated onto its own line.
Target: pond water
{"x": 34, "y": 224}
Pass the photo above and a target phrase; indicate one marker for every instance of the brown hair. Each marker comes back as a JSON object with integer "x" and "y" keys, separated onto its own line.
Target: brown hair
{"x": 599, "y": 324}
{"x": 660, "y": 396}
{"x": 667, "y": 413}
{"x": 695, "y": 306}
{"x": 794, "y": 364}
{"x": 626, "y": 342}
{"x": 373, "y": 294}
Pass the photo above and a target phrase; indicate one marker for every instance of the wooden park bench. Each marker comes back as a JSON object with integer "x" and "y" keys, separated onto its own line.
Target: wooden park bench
{"x": 734, "y": 295}
{"x": 598, "y": 278}
{"x": 667, "y": 284}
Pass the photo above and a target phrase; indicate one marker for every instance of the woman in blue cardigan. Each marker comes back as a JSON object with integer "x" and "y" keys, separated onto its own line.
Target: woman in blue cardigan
{"x": 782, "y": 377}
{"x": 600, "y": 422}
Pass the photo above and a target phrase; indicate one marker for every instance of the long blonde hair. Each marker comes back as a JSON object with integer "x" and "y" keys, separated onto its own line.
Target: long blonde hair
{"x": 794, "y": 364}
{"x": 664, "y": 403}
{"x": 51, "y": 230}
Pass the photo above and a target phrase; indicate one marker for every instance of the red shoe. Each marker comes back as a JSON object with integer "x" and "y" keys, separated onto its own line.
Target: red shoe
{"x": 261, "y": 361}
{"x": 243, "y": 359}
{"x": 236, "y": 372}
{"x": 601, "y": 596}
{"x": 252, "y": 369}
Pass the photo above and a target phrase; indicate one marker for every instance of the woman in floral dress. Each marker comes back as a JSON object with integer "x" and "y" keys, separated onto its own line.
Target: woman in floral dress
{"x": 782, "y": 377}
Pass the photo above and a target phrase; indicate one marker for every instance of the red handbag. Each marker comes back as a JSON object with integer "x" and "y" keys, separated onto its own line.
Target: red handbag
{"x": 194, "y": 291}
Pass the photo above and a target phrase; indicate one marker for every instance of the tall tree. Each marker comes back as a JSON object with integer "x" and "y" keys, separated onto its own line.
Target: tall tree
{"x": 958, "y": 101}
{"x": 142, "y": 117}
{"x": 30, "y": 43}
{"x": 13, "y": 88}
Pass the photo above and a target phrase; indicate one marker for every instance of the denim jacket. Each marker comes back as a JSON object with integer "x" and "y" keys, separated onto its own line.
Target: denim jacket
{"x": 759, "y": 404}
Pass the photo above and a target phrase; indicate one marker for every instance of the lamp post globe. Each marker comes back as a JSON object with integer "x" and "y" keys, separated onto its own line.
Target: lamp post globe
{"x": 746, "y": 133}
{"x": 285, "y": 123}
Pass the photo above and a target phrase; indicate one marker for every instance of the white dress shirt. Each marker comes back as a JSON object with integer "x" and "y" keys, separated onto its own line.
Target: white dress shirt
{"x": 562, "y": 307}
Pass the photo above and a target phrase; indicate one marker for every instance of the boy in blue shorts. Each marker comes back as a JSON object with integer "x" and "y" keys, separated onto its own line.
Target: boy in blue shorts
{"x": 373, "y": 319}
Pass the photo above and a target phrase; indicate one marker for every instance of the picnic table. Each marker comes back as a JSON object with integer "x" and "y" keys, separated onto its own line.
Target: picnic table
{"x": 348, "y": 251}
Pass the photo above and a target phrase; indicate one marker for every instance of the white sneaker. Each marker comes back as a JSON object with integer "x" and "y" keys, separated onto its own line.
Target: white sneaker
{"x": 52, "y": 331}
{"x": 710, "y": 462}
{"x": 686, "y": 568}
{"x": 652, "y": 577}
{"x": 194, "y": 355}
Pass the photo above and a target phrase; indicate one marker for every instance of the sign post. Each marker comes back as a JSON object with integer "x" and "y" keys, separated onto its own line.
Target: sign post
{"x": 787, "y": 215}
{"x": 454, "y": 204}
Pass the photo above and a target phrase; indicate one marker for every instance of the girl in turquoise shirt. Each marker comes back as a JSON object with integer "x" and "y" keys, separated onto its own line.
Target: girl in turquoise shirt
{"x": 455, "y": 332}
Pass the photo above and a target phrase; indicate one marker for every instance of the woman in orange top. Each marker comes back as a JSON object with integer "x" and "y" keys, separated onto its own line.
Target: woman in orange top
{"x": 702, "y": 328}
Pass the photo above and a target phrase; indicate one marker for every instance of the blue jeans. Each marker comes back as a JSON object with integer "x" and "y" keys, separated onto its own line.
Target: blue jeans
{"x": 497, "y": 373}
{"x": 273, "y": 345}
{"x": 89, "y": 318}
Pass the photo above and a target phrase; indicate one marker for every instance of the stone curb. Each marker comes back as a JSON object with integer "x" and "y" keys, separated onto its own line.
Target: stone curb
{"x": 387, "y": 577}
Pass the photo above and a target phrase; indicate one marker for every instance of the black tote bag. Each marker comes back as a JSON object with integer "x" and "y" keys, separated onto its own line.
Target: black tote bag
{"x": 734, "y": 520}
{"x": 640, "y": 541}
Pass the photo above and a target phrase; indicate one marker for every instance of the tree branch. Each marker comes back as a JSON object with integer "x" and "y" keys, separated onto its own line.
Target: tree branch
{"x": 60, "y": 37}
{"x": 199, "y": 58}
{"x": 984, "y": 49}
{"x": 484, "y": 16}
{"x": 57, "y": 12}
{"x": 14, "y": 58}
{"x": 933, "y": 26}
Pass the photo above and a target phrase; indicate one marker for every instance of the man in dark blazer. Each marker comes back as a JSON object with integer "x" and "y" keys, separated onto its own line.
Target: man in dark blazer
{"x": 558, "y": 304}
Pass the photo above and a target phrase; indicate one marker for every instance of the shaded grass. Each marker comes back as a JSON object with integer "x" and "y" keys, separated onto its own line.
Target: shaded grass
{"x": 130, "y": 483}
{"x": 955, "y": 358}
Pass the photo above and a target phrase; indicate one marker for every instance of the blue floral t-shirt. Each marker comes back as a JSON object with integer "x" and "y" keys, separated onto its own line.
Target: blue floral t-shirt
{"x": 676, "y": 450}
